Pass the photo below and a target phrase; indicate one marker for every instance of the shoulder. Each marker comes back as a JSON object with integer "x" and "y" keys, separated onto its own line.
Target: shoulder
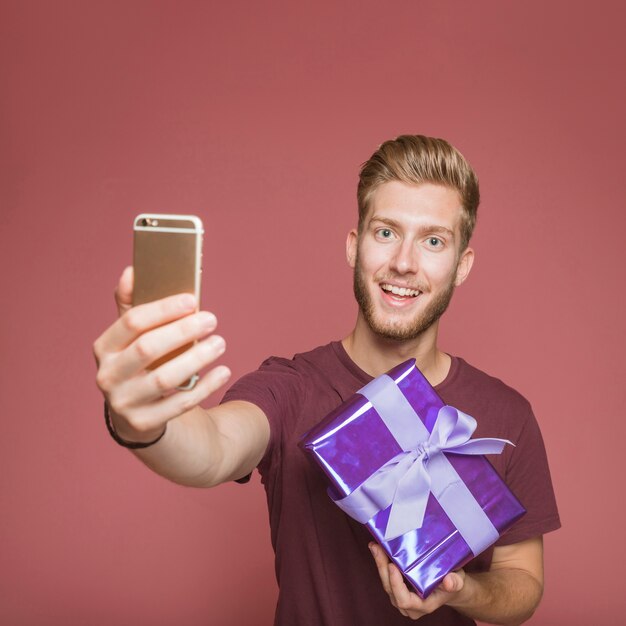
{"x": 497, "y": 406}
{"x": 497, "y": 389}
{"x": 293, "y": 393}
{"x": 301, "y": 360}
{"x": 301, "y": 364}
{"x": 277, "y": 375}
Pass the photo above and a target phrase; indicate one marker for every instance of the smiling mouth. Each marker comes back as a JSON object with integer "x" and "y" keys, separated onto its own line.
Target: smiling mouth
{"x": 402, "y": 292}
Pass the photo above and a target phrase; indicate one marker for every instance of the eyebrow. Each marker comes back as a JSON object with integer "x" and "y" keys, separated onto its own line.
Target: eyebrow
{"x": 426, "y": 228}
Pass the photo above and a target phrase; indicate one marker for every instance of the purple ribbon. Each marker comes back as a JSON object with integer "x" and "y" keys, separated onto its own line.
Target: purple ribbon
{"x": 406, "y": 481}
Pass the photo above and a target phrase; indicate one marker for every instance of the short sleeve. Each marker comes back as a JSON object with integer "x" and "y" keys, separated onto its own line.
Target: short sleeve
{"x": 528, "y": 477}
{"x": 276, "y": 389}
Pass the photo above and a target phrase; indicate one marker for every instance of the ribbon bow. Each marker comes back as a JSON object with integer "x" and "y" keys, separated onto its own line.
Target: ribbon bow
{"x": 406, "y": 481}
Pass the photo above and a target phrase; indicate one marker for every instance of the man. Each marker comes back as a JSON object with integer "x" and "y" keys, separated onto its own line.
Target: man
{"x": 417, "y": 199}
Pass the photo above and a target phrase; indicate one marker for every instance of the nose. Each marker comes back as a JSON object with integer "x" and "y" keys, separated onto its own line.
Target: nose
{"x": 405, "y": 259}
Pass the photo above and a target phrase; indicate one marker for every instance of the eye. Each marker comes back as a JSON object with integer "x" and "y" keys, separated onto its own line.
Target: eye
{"x": 384, "y": 233}
{"x": 434, "y": 242}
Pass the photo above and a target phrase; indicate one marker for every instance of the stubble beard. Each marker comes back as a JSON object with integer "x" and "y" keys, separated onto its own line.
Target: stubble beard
{"x": 408, "y": 330}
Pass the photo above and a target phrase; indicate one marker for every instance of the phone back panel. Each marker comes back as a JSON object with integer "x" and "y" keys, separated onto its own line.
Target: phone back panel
{"x": 167, "y": 260}
{"x": 166, "y": 257}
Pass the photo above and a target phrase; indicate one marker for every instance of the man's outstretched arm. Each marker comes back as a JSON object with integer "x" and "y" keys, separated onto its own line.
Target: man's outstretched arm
{"x": 200, "y": 447}
{"x": 507, "y": 594}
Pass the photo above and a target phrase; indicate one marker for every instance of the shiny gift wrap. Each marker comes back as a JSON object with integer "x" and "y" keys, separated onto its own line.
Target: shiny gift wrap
{"x": 403, "y": 463}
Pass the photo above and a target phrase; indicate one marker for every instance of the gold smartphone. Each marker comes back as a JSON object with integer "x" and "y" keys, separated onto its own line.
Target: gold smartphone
{"x": 167, "y": 260}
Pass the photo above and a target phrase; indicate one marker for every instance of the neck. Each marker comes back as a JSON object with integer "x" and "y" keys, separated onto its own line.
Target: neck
{"x": 376, "y": 355}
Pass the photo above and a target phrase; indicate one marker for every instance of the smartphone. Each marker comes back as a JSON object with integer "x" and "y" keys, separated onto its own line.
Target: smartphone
{"x": 167, "y": 260}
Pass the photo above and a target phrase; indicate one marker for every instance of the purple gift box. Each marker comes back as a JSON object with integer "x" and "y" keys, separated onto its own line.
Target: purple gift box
{"x": 404, "y": 464}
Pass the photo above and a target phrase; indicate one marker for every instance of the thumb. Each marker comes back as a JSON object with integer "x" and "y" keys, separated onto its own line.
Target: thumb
{"x": 452, "y": 583}
{"x": 124, "y": 291}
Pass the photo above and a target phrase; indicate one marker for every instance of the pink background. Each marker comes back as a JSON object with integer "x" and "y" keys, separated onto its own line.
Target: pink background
{"x": 256, "y": 115}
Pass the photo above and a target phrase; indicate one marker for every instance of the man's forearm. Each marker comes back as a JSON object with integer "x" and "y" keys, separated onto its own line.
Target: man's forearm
{"x": 203, "y": 448}
{"x": 188, "y": 453}
{"x": 501, "y": 596}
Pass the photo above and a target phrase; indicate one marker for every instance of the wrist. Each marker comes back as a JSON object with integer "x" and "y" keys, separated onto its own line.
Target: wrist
{"x": 149, "y": 439}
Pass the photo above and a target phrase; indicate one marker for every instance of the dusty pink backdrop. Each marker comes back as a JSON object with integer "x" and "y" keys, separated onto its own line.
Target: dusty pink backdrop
{"x": 257, "y": 115}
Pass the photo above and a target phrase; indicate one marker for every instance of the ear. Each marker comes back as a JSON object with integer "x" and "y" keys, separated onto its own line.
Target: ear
{"x": 351, "y": 246}
{"x": 464, "y": 266}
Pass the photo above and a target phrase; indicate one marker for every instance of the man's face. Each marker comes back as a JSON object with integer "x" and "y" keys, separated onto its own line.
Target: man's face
{"x": 407, "y": 259}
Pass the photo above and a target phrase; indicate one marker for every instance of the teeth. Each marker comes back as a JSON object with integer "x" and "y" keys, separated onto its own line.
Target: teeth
{"x": 400, "y": 291}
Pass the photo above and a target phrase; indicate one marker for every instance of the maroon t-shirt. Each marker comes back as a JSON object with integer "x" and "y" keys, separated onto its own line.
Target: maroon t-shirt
{"x": 325, "y": 572}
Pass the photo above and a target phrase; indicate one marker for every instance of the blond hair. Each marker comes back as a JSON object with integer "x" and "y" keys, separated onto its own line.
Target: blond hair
{"x": 415, "y": 159}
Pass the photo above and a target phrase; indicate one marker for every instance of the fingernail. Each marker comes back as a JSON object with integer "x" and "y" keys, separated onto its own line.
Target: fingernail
{"x": 187, "y": 302}
{"x": 217, "y": 343}
{"x": 223, "y": 375}
{"x": 207, "y": 320}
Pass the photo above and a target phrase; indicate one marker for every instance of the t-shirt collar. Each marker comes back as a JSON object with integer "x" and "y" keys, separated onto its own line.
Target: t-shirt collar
{"x": 364, "y": 377}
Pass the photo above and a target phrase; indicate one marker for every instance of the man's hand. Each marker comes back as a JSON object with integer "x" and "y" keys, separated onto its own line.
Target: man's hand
{"x": 508, "y": 593}
{"x": 142, "y": 401}
{"x": 407, "y": 601}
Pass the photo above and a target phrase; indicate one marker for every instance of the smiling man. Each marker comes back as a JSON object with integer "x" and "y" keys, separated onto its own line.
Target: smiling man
{"x": 417, "y": 200}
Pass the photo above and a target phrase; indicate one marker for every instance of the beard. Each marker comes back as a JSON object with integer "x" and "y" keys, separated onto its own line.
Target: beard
{"x": 399, "y": 331}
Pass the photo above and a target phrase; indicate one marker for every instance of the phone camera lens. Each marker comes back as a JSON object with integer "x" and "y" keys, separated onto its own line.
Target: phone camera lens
{"x": 144, "y": 222}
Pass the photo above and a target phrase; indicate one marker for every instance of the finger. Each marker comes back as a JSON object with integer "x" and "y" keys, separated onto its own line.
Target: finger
{"x": 142, "y": 318}
{"x": 124, "y": 290}
{"x": 160, "y": 342}
{"x": 382, "y": 563}
{"x": 404, "y": 599}
{"x": 172, "y": 374}
{"x": 155, "y": 415}
{"x": 452, "y": 583}
{"x": 184, "y": 401}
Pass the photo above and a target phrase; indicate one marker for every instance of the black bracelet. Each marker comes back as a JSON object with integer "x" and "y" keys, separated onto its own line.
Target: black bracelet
{"x": 133, "y": 445}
